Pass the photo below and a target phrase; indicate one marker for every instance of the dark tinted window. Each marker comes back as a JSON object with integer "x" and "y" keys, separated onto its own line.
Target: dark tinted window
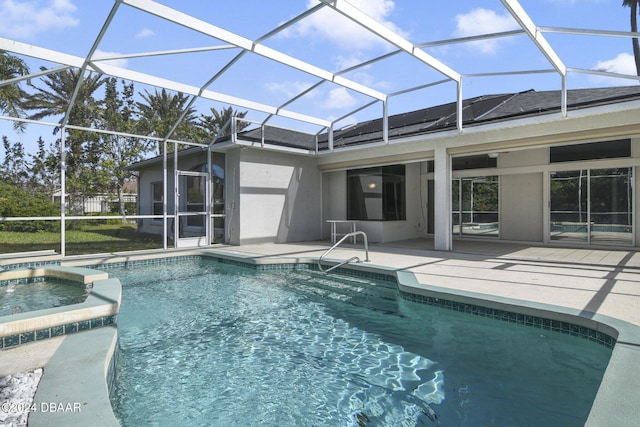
{"x": 590, "y": 151}
{"x": 474, "y": 162}
{"x": 376, "y": 194}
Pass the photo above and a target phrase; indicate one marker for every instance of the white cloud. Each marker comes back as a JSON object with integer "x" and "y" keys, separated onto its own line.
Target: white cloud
{"x": 289, "y": 89}
{"x": 624, "y": 63}
{"x": 339, "y": 98}
{"x": 330, "y": 25}
{"x": 103, "y": 54}
{"x": 144, "y": 33}
{"x": 484, "y": 21}
{"x": 26, "y": 19}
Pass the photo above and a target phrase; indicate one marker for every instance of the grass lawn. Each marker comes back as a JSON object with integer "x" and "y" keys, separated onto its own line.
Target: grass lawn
{"x": 89, "y": 239}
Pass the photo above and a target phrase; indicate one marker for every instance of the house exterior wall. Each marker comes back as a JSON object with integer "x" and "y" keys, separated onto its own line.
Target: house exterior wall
{"x": 278, "y": 197}
{"x": 523, "y": 165}
{"x": 521, "y": 196}
{"x": 232, "y": 197}
{"x": 145, "y": 202}
{"x": 521, "y": 213}
{"x": 334, "y": 198}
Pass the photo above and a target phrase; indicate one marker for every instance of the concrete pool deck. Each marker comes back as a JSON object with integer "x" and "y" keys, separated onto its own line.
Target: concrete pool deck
{"x": 599, "y": 281}
{"x": 597, "y": 286}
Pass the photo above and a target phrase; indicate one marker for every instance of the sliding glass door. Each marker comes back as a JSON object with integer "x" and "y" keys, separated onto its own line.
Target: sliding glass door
{"x": 611, "y": 205}
{"x": 592, "y": 206}
{"x": 569, "y": 213}
{"x": 475, "y": 206}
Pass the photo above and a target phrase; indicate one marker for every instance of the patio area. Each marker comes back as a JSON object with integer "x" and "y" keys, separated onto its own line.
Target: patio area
{"x": 597, "y": 288}
{"x": 593, "y": 281}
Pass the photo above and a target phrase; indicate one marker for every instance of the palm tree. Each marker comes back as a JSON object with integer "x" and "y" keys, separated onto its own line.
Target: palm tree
{"x": 161, "y": 111}
{"x": 215, "y": 123}
{"x": 12, "y": 95}
{"x": 53, "y": 100}
{"x": 633, "y": 4}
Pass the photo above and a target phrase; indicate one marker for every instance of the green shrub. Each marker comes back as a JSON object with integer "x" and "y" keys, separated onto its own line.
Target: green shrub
{"x": 16, "y": 202}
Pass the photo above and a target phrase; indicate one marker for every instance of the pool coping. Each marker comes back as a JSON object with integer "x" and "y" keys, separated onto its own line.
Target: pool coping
{"x": 620, "y": 378}
{"x": 97, "y": 310}
{"x": 88, "y": 359}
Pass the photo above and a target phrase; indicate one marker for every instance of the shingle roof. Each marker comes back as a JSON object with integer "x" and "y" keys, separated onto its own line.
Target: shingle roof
{"x": 279, "y": 136}
{"x": 475, "y": 111}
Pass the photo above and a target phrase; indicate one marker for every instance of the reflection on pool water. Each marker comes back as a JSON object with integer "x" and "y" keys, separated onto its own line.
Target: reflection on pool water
{"x": 39, "y": 295}
{"x": 203, "y": 343}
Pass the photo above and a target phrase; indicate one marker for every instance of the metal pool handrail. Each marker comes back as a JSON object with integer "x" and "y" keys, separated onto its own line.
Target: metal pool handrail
{"x": 355, "y": 258}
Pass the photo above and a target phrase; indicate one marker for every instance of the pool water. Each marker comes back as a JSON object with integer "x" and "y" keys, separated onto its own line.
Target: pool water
{"x": 203, "y": 343}
{"x": 39, "y": 295}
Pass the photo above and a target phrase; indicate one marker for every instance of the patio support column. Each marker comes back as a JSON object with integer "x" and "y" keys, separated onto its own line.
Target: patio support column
{"x": 442, "y": 200}
{"x": 63, "y": 192}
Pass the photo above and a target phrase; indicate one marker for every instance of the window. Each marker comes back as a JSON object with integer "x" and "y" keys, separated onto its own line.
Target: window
{"x": 474, "y": 162}
{"x": 195, "y": 190}
{"x": 376, "y": 194}
{"x": 590, "y": 151}
{"x": 157, "y": 192}
{"x": 592, "y": 206}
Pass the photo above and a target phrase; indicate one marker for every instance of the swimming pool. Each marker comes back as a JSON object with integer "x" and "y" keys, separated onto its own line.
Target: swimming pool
{"x": 204, "y": 343}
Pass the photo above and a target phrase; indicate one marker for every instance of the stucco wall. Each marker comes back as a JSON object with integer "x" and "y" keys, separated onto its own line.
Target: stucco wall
{"x": 145, "y": 201}
{"x": 279, "y": 197}
{"x": 521, "y": 196}
{"x": 521, "y": 213}
{"x": 334, "y": 198}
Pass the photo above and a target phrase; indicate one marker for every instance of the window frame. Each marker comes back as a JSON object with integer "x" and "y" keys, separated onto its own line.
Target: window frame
{"x": 382, "y": 183}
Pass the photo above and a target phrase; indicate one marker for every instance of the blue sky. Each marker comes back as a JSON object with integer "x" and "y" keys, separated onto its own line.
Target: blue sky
{"x": 330, "y": 42}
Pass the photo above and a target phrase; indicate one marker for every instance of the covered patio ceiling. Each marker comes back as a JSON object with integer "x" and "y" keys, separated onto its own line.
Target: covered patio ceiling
{"x": 316, "y": 66}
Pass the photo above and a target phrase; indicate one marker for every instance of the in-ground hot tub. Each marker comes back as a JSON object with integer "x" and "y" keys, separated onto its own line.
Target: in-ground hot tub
{"x": 96, "y": 303}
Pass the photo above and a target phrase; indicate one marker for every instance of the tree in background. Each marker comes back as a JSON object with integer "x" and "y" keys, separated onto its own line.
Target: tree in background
{"x": 12, "y": 95}
{"x": 44, "y": 171}
{"x": 119, "y": 151}
{"x": 54, "y": 101}
{"x": 160, "y": 112}
{"x": 214, "y": 124}
{"x": 633, "y": 4}
{"x": 18, "y": 197}
{"x": 14, "y": 166}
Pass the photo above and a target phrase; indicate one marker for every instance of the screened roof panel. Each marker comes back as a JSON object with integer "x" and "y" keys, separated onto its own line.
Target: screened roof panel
{"x": 294, "y": 44}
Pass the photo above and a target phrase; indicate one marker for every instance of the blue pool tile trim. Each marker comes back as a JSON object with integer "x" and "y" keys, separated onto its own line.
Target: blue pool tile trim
{"x": 153, "y": 261}
{"x": 503, "y": 315}
{"x": 40, "y": 279}
{"x": 512, "y": 317}
{"x": 56, "y": 331}
{"x": 527, "y": 320}
{"x": 30, "y": 264}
